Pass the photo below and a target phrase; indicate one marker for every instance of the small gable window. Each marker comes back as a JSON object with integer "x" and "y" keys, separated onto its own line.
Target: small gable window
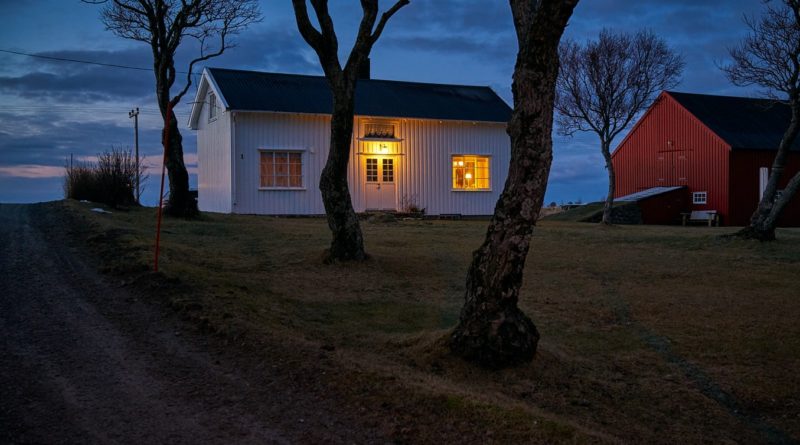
{"x": 212, "y": 107}
{"x": 699, "y": 197}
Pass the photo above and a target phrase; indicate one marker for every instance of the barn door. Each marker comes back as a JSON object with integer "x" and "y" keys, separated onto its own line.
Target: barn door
{"x": 380, "y": 184}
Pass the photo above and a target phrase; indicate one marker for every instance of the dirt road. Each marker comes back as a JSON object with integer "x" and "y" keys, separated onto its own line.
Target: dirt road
{"x": 86, "y": 360}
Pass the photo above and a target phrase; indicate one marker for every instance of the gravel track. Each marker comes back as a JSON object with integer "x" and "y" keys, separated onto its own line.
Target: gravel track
{"x": 85, "y": 360}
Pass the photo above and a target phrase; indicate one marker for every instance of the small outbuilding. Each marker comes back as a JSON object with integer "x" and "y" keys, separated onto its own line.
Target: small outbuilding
{"x": 715, "y": 150}
{"x": 263, "y": 139}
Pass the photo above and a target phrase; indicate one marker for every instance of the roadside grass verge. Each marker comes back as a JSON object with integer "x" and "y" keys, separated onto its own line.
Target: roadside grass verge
{"x": 623, "y": 311}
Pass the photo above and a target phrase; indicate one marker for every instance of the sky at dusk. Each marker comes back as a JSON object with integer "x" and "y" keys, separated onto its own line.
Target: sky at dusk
{"x": 53, "y": 109}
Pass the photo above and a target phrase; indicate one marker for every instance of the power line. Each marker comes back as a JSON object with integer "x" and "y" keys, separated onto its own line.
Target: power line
{"x": 87, "y": 62}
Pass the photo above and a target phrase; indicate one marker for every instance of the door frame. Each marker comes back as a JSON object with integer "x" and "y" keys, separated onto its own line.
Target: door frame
{"x": 363, "y": 178}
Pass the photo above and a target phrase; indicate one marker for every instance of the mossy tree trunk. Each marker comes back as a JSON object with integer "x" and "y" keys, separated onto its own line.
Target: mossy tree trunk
{"x": 492, "y": 330}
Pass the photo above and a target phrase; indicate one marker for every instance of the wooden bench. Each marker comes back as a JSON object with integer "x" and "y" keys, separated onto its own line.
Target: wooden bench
{"x": 701, "y": 216}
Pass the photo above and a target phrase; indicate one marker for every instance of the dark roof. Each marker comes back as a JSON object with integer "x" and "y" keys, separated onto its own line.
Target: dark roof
{"x": 292, "y": 93}
{"x": 744, "y": 123}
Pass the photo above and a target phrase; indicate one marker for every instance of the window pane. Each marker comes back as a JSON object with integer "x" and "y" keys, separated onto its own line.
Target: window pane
{"x": 267, "y": 170}
{"x": 388, "y": 170}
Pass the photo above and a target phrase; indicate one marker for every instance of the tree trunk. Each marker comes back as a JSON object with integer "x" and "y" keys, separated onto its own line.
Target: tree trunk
{"x": 765, "y": 218}
{"x": 609, "y": 205}
{"x": 180, "y": 203}
{"x": 347, "y": 243}
{"x": 492, "y": 330}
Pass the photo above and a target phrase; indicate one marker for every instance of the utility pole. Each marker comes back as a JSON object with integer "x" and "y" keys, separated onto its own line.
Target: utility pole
{"x": 135, "y": 115}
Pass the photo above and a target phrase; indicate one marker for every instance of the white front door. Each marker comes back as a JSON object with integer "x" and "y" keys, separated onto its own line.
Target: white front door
{"x": 380, "y": 190}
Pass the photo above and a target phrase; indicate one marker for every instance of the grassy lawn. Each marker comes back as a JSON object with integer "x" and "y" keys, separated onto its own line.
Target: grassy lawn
{"x": 649, "y": 333}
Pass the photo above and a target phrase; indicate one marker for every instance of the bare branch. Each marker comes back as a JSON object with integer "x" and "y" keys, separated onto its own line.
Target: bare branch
{"x": 605, "y": 84}
{"x": 385, "y": 18}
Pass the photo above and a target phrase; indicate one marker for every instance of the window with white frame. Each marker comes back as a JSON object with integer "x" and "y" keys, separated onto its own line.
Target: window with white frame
{"x": 471, "y": 172}
{"x": 699, "y": 197}
{"x": 281, "y": 169}
{"x": 212, "y": 107}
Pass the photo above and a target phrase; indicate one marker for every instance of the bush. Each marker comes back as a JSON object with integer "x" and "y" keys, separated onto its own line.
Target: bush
{"x": 111, "y": 181}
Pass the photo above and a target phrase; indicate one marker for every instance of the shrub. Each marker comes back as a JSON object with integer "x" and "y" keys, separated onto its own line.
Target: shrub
{"x": 408, "y": 204}
{"x": 111, "y": 181}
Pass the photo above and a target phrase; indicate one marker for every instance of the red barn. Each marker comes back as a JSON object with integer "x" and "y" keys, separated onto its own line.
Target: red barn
{"x": 718, "y": 149}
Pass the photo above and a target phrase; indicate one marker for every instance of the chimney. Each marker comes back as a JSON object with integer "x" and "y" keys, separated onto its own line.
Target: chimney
{"x": 363, "y": 70}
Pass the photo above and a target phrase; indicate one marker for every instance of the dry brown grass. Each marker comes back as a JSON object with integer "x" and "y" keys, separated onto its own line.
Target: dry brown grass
{"x": 649, "y": 334}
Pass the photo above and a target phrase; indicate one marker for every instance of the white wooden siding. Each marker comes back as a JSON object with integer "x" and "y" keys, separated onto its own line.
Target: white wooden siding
{"x": 214, "y": 162}
{"x": 423, "y": 168}
{"x": 425, "y": 172}
{"x": 272, "y": 131}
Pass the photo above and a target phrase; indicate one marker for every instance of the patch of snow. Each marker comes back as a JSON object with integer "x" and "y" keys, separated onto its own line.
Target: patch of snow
{"x": 99, "y": 210}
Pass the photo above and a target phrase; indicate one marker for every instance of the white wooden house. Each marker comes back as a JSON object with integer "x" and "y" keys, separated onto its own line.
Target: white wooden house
{"x": 263, "y": 139}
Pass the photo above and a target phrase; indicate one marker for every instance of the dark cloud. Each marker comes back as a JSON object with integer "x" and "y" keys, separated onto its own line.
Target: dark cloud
{"x": 270, "y": 50}
{"x": 49, "y": 139}
{"x": 454, "y": 16}
{"x": 58, "y": 81}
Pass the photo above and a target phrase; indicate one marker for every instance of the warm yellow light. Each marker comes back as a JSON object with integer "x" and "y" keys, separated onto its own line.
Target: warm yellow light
{"x": 455, "y": 164}
{"x": 384, "y": 149}
{"x": 460, "y": 163}
{"x": 468, "y": 175}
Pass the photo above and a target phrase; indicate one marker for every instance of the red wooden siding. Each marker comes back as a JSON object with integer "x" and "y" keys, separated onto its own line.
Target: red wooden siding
{"x": 744, "y": 171}
{"x": 670, "y": 147}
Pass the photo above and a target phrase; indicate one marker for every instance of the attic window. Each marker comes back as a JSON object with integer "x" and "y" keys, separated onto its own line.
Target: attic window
{"x": 212, "y": 107}
{"x": 379, "y": 130}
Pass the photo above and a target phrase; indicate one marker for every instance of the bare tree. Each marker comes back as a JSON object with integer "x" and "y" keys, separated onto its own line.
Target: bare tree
{"x": 492, "y": 330}
{"x": 604, "y": 84}
{"x": 348, "y": 242}
{"x": 770, "y": 58}
{"x": 164, "y": 24}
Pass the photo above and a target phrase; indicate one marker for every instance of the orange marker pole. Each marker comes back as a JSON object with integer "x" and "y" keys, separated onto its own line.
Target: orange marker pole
{"x": 161, "y": 193}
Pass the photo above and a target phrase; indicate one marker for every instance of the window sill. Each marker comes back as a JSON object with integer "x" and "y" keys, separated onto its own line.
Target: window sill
{"x": 470, "y": 190}
{"x": 269, "y": 189}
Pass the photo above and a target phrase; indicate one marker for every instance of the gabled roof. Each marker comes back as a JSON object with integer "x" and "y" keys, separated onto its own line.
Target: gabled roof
{"x": 744, "y": 123}
{"x": 647, "y": 193}
{"x": 293, "y": 93}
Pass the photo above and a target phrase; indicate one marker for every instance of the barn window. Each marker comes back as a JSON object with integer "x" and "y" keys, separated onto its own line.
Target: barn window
{"x": 212, "y": 107}
{"x": 281, "y": 169}
{"x": 699, "y": 197}
{"x": 471, "y": 172}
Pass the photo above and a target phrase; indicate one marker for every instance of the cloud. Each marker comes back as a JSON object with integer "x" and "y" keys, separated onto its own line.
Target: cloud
{"x": 31, "y": 171}
{"x": 57, "y": 81}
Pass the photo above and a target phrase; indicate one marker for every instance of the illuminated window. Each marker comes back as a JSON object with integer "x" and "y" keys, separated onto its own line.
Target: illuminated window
{"x": 281, "y": 169}
{"x": 212, "y": 107}
{"x": 699, "y": 197}
{"x": 471, "y": 173}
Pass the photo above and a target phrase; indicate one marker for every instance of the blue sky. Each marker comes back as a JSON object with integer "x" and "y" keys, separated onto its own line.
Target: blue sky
{"x": 51, "y": 110}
